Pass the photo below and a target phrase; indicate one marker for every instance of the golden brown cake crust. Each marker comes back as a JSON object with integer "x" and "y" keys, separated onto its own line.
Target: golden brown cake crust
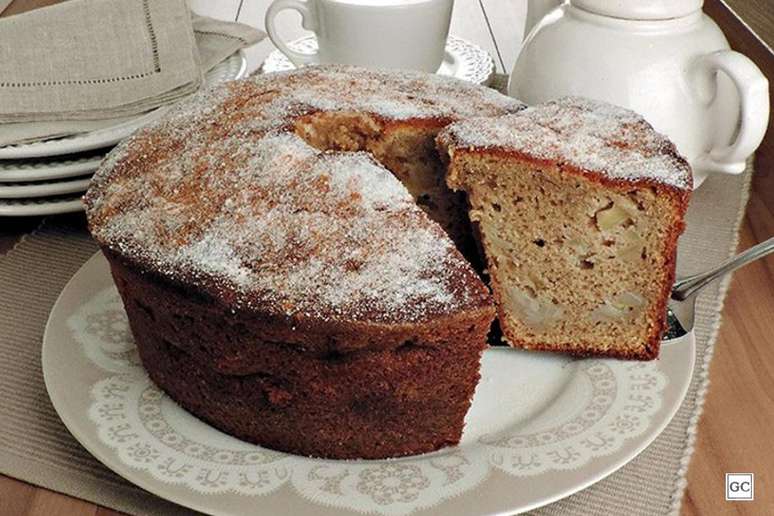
{"x": 604, "y": 144}
{"x": 341, "y": 393}
{"x": 613, "y": 144}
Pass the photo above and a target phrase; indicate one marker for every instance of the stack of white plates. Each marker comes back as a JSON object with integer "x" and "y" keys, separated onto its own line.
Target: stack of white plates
{"x": 46, "y": 177}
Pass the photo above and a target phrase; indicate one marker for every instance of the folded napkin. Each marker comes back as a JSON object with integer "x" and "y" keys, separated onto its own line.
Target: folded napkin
{"x": 87, "y": 64}
{"x": 215, "y": 41}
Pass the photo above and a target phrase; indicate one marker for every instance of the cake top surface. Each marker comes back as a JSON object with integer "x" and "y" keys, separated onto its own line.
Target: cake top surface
{"x": 591, "y": 135}
{"x": 222, "y": 193}
{"x": 393, "y": 95}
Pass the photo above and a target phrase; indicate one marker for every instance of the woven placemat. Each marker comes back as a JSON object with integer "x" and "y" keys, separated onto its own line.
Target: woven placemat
{"x": 36, "y": 447}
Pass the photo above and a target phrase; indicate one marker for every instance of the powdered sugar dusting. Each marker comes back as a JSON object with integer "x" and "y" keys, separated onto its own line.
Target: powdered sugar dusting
{"x": 282, "y": 227}
{"x": 591, "y": 135}
{"x": 221, "y": 192}
{"x": 395, "y": 95}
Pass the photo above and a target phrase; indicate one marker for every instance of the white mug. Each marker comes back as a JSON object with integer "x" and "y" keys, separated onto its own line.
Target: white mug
{"x": 403, "y": 34}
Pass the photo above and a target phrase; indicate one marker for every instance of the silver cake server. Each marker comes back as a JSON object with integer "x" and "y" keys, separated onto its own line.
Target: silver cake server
{"x": 682, "y": 303}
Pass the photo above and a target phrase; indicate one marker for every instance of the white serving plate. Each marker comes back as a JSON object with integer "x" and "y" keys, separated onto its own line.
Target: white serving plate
{"x": 541, "y": 427}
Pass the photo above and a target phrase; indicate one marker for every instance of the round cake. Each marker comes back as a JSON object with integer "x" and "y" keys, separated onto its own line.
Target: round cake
{"x": 291, "y": 263}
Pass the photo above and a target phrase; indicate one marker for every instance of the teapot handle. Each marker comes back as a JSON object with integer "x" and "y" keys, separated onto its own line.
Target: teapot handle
{"x": 753, "y": 89}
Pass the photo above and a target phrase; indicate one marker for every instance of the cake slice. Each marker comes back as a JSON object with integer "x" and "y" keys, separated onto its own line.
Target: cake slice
{"x": 578, "y": 205}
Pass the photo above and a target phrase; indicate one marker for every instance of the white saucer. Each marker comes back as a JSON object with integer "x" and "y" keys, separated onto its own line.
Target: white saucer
{"x": 43, "y": 189}
{"x": 463, "y": 59}
{"x": 39, "y": 206}
{"x": 233, "y": 67}
{"x": 46, "y": 169}
{"x": 541, "y": 427}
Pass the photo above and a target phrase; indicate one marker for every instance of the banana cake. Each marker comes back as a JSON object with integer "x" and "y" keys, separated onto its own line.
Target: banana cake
{"x": 288, "y": 287}
{"x": 578, "y": 206}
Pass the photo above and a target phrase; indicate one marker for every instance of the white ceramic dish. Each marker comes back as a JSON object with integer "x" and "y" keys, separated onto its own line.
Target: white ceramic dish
{"x": 233, "y": 67}
{"x": 541, "y": 427}
{"x": 46, "y": 169}
{"x": 39, "y": 206}
{"x": 43, "y": 189}
{"x": 462, "y": 59}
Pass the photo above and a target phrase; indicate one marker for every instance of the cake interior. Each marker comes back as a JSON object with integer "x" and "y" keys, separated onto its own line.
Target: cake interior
{"x": 408, "y": 150}
{"x": 570, "y": 257}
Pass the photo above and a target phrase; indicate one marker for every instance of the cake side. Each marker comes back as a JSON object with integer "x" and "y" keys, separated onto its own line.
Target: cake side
{"x": 581, "y": 261}
{"x": 306, "y": 390}
{"x": 228, "y": 340}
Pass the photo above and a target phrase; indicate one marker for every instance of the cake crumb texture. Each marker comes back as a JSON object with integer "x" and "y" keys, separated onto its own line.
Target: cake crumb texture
{"x": 578, "y": 205}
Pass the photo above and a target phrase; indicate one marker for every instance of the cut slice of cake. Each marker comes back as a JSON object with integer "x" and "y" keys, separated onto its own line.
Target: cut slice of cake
{"x": 579, "y": 205}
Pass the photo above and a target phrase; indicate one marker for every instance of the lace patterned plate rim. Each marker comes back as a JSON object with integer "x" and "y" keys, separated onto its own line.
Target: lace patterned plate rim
{"x": 570, "y": 424}
{"x": 233, "y": 67}
{"x": 462, "y": 59}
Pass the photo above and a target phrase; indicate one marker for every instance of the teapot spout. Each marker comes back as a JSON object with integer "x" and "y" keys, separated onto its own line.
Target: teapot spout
{"x": 536, "y": 10}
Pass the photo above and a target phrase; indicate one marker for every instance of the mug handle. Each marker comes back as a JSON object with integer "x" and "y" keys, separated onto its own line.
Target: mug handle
{"x": 753, "y": 89}
{"x": 308, "y": 21}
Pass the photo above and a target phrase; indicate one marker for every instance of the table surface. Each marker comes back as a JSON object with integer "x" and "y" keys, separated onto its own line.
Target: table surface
{"x": 739, "y": 409}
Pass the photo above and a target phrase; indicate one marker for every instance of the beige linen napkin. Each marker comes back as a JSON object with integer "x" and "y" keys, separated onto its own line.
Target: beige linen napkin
{"x": 215, "y": 41}
{"x": 89, "y": 59}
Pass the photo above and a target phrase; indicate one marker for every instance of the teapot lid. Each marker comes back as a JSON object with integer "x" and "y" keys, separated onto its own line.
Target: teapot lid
{"x": 640, "y": 9}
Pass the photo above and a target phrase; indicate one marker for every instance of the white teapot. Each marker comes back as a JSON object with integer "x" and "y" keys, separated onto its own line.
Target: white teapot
{"x": 665, "y": 59}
